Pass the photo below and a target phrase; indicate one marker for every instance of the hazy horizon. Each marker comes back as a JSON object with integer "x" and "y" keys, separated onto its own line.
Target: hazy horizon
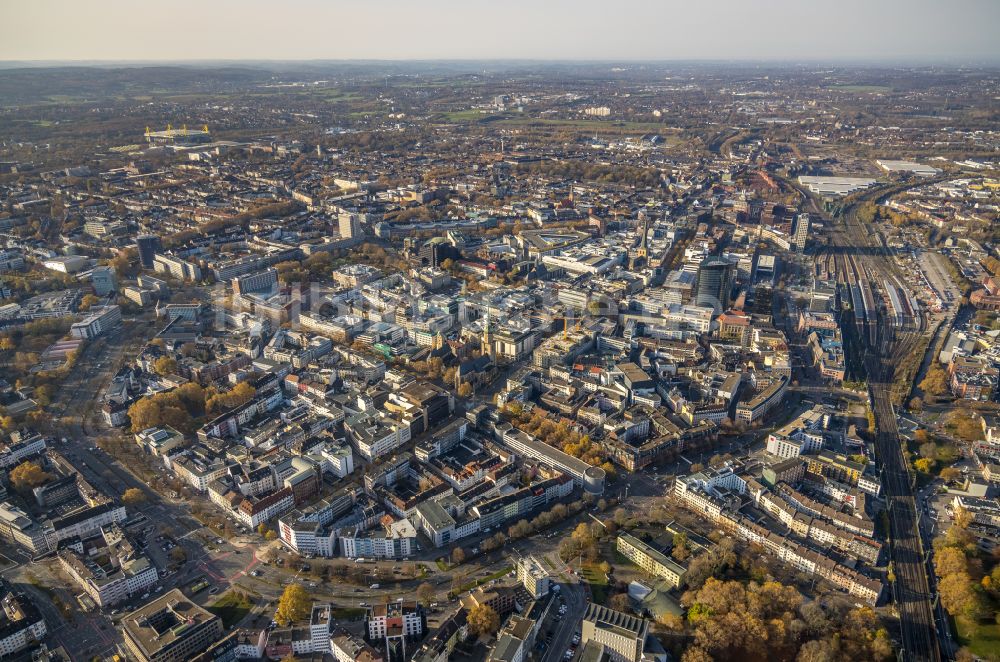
{"x": 768, "y": 31}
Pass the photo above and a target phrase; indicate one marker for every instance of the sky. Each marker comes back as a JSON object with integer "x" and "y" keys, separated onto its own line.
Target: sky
{"x": 925, "y": 31}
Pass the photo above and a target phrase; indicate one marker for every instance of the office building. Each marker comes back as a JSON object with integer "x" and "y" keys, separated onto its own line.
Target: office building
{"x": 176, "y": 267}
{"x": 261, "y": 281}
{"x": 103, "y": 281}
{"x": 588, "y": 477}
{"x": 533, "y": 576}
{"x": 623, "y": 636}
{"x": 97, "y": 323}
{"x": 715, "y": 281}
{"x": 651, "y": 560}
{"x": 171, "y": 628}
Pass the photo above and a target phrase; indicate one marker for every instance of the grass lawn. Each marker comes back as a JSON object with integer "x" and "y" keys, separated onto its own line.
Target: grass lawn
{"x": 484, "y": 580}
{"x": 231, "y": 608}
{"x": 595, "y": 126}
{"x": 442, "y": 566}
{"x": 598, "y": 582}
{"x": 470, "y": 115}
{"x": 861, "y": 88}
{"x": 983, "y": 639}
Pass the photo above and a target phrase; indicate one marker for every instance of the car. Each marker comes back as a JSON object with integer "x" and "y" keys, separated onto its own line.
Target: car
{"x": 213, "y": 590}
{"x": 219, "y": 541}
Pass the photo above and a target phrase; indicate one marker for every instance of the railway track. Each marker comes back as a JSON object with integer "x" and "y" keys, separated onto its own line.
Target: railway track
{"x": 887, "y": 340}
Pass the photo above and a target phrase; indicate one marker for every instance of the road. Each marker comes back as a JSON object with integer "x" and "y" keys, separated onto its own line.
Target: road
{"x": 576, "y": 599}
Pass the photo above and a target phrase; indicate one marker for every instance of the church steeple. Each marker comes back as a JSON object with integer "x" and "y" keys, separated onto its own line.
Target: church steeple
{"x": 644, "y": 241}
{"x": 487, "y": 338}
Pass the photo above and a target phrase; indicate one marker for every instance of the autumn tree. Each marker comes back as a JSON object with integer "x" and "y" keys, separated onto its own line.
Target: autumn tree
{"x": 457, "y": 556}
{"x": 483, "y": 620}
{"x": 144, "y": 414}
{"x": 928, "y": 450}
{"x": 949, "y": 474}
{"x": 88, "y": 301}
{"x": 165, "y": 365}
{"x": 27, "y": 476}
{"x": 293, "y": 605}
{"x": 935, "y": 382}
{"x": 425, "y": 593}
{"x": 965, "y": 424}
{"x": 133, "y": 496}
{"x": 620, "y": 602}
{"x": 235, "y": 397}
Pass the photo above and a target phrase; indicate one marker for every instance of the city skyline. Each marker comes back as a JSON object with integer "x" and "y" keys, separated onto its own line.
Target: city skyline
{"x": 778, "y": 30}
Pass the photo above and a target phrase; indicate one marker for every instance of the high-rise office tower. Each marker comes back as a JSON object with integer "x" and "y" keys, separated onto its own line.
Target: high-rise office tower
{"x": 350, "y": 226}
{"x": 801, "y": 233}
{"x": 715, "y": 282}
{"x": 149, "y": 246}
